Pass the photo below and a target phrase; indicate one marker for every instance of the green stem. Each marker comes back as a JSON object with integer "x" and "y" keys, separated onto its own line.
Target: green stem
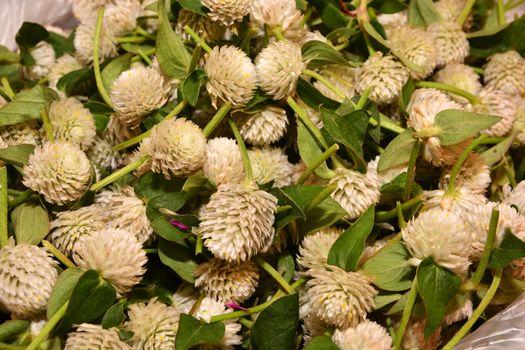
{"x": 278, "y": 33}
{"x": 7, "y": 88}
{"x": 368, "y": 42}
{"x": 96, "y": 60}
{"x": 197, "y": 39}
{"x": 509, "y": 172}
{"x": 4, "y": 237}
{"x": 407, "y": 312}
{"x": 282, "y": 208}
{"x": 479, "y": 70}
{"x": 44, "y": 332}
{"x": 58, "y": 254}
{"x": 466, "y": 10}
{"x": 131, "y": 39}
{"x": 275, "y": 274}
{"x": 128, "y": 143}
{"x": 491, "y": 140}
{"x": 151, "y": 250}
{"x": 400, "y": 218}
{"x": 450, "y": 88}
{"x": 312, "y": 167}
{"x": 217, "y": 118}
{"x": 20, "y": 198}
{"x": 4, "y": 346}
{"x": 411, "y": 170}
{"x": 144, "y": 33}
{"x": 244, "y": 153}
{"x": 327, "y": 191}
{"x": 364, "y": 96}
{"x": 145, "y": 57}
{"x": 198, "y": 245}
{"x": 119, "y": 173}
{"x": 245, "y": 322}
{"x": 386, "y": 123}
{"x": 382, "y": 216}
{"x": 195, "y": 57}
{"x": 501, "y": 13}
{"x": 325, "y": 82}
{"x": 477, "y": 313}
{"x": 48, "y": 127}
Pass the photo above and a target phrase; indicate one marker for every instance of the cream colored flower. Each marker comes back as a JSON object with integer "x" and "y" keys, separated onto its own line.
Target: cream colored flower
{"x": 237, "y": 222}
{"x": 450, "y": 41}
{"x": 227, "y": 282}
{"x": 314, "y": 249}
{"x": 101, "y": 154}
{"x": 72, "y": 122}
{"x": 210, "y": 307}
{"x": 94, "y": 337}
{"x": 63, "y": 65}
{"x": 44, "y": 56}
{"x": 473, "y": 176}
{"x": 281, "y": 14}
{"x": 264, "y": 127}
{"x": 85, "y": 10}
{"x": 461, "y": 203}
{"x": 449, "y": 10}
{"x": 207, "y": 29}
{"x": 84, "y": 39}
{"x": 223, "y": 163}
{"x": 462, "y": 312}
{"x": 122, "y": 14}
{"x": 343, "y": 78}
{"x": 27, "y": 276}
{"x": 366, "y": 335}
{"x": 271, "y": 164}
{"x": 506, "y": 72}
{"x": 460, "y": 76}
{"x": 231, "y": 76}
{"x": 499, "y": 104}
{"x": 516, "y": 196}
{"x": 184, "y": 298}
{"x": 58, "y": 170}
{"x": 116, "y": 254}
{"x": 18, "y": 134}
{"x": 279, "y": 66}
{"x": 117, "y": 131}
{"x": 384, "y": 76}
{"x": 392, "y": 21}
{"x": 227, "y": 11}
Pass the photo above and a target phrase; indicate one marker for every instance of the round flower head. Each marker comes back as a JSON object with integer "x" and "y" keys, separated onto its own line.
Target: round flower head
{"x": 237, "y": 222}
{"x": 207, "y": 29}
{"x": 116, "y": 254}
{"x": 94, "y": 337}
{"x": 367, "y": 335}
{"x": 70, "y": 225}
{"x": 58, "y": 170}
{"x": 231, "y": 76}
{"x": 473, "y": 176}
{"x": 384, "y": 76}
{"x": 118, "y": 131}
{"x": 279, "y": 66}
{"x": 497, "y": 103}
{"x": 44, "y": 56}
{"x": 460, "y": 313}
{"x": 264, "y": 127}
{"x": 227, "y": 11}
{"x": 227, "y": 282}
{"x": 184, "y": 298}
{"x": 312, "y": 326}
{"x": 178, "y": 148}
{"x": 85, "y": 10}
{"x": 27, "y": 276}
{"x": 392, "y": 21}
{"x": 210, "y": 307}
{"x": 122, "y": 14}
{"x": 154, "y": 325}
{"x": 72, "y": 122}
{"x": 101, "y": 154}
{"x": 85, "y": 36}
{"x": 281, "y": 14}
{"x": 414, "y": 338}
{"x": 441, "y": 235}
{"x": 314, "y": 249}
{"x": 460, "y": 76}
{"x": 516, "y": 196}
{"x": 223, "y": 163}
{"x": 506, "y": 72}
{"x": 343, "y": 78}
{"x": 63, "y": 65}
{"x": 138, "y": 92}
{"x": 355, "y": 192}
{"x": 450, "y": 42}
{"x": 18, "y": 134}
{"x": 449, "y": 10}
{"x": 339, "y": 298}
{"x": 271, "y": 164}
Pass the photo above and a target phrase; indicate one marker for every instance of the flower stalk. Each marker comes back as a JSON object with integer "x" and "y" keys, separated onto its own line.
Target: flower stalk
{"x": 119, "y": 173}
{"x": 96, "y": 58}
{"x": 3, "y": 206}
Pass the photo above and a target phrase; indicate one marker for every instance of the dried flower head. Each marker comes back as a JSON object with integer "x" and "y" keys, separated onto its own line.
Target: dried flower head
{"x": 223, "y": 163}
{"x": 460, "y": 76}
{"x": 208, "y": 30}
{"x": 279, "y": 66}
{"x": 497, "y": 103}
{"x": 237, "y": 222}
{"x": 63, "y": 65}
{"x": 227, "y": 11}
{"x": 450, "y": 42}
{"x": 384, "y": 76}
{"x": 506, "y": 72}
{"x": 116, "y": 254}
{"x": 22, "y": 133}
{"x": 27, "y": 276}
{"x": 122, "y": 14}
{"x": 366, "y": 335}
{"x": 281, "y": 14}
{"x": 462, "y": 311}
{"x": 264, "y": 127}
{"x": 414, "y": 338}
{"x": 343, "y": 78}
{"x": 231, "y": 76}
{"x": 101, "y": 154}
{"x": 72, "y": 122}
{"x": 184, "y": 298}
{"x": 271, "y": 164}
{"x": 339, "y": 298}
{"x": 117, "y": 131}
{"x": 314, "y": 249}
{"x": 94, "y": 337}
{"x": 178, "y": 148}
{"x": 473, "y": 176}
{"x": 44, "y": 56}
{"x": 226, "y": 281}
{"x": 85, "y": 36}
{"x": 58, "y": 170}
{"x": 210, "y": 307}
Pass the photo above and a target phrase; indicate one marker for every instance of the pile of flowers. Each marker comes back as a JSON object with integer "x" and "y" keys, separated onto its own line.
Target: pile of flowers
{"x": 264, "y": 174}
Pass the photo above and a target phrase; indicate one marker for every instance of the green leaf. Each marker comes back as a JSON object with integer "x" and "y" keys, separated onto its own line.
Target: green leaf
{"x": 77, "y": 82}
{"x": 61, "y": 45}
{"x": 494, "y": 154}
{"x": 298, "y": 196}
{"x": 347, "y": 249}
{"x": 312, "y": 97}
{"x": 428, "y": 11}
{"x": 317, "y": 53}
{"x": 323, "y": 215}
{"x": 330, "y": 13}
{"x": 381, "y": 301}
{"x": 321, "y": 342}
{"x": 159, "y": 221}
{"x": 509, "y": 38}
{"x": 436, "y": 286}
{"x": 388, "y": 6}
{"x": 62, "y": 290}
{"x": 17, "y": 155}
{"x": 6, "y": 55}
{"x": 310, "y": 151}
{"x": 397, "y": 152}
{"x": 179, "y": 257}
{"x": 391, "y": 268}
{"x": 192, "y": 332}
{"x": 286, "y": 266}
{"x": 415, "y": 18}
{"x": 404, "y": 96}
{"x": 27, "y": 105}
{"x": 152, "y": 185}
{"x": 30, "y": 34}
{"x": 192, "y": 85}
{"x": 456, "y": 125}
{"x": 194, "y": 6}
{"x": 11, "y": 328}
{"x": 115, "y": 315}
{"x": 30, "y": 223}
{"x": 113, "y": 69}
{"x": 135, "y": 48}
{"x": 174, "y": 58}
{"x": 511, "y": 248}
{"x": 276, "y": 326}
{"x": 399, "y": 306}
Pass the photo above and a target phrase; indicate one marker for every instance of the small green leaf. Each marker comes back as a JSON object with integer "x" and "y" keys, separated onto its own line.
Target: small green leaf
{"x": 428, "y": 11}
{"x": 323, "y": 215}
{"x": 192, "y": 85}
{"x": 115, "y": 315}
{"x": 30, "y": 223}
{"x": 511, "y": 248}
{"x": 330, "y": 13}
{"x": 397, "y": 152}
{"x": 310, "y": 151}
{"x": 312, "y": 97}
{"x": 113, "y": 69}
{"x": 11, "y": 328}
{"x": 509, "y": 38}
{"x": 17, "y": 155}
{"x": 406, "y": 93}
{"x": 194, "y": 6}
{"x": 159, "y": 221}
{"x": 276, "y": 326}
{"x": 298, "y": 196}
{"x": 62, "y": 290}
{"x": 61, "y": 45}
{"x": 381, "y": 301}
{"x": 179, "y": 257}
{"x": 192, "y": 332}
{"x": 27, "y": 105}
{"x": 77, "y": 82}
{"x": 317, "y": 53}
{"x": 347, "y": 249}
{"x": 30, "y": 34}
{"x": 457, "y": 125}
{"x": 321, "y": 342}
{"x": 151, "y": 185}
{"x": 286, "y": 266}
{"x": 436, "y": 286}
{"x": 494, "y": 154}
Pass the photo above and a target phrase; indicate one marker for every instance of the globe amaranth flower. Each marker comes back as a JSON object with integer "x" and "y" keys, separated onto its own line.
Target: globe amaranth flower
{"x": 22, "y": 133}
{"x": 414, "y": 337}
{"x": 84, "y": 39}
{"x": 237, "y": 223}
{"x": 441, "y": 235}
{"x": 339, "y": 298}
{"x": 122, "y": 14}
{"x": 343, "y": 78}
{"x": 231, "y": 76}
{"x": 27, "y": 276}
{"x": 280, "y": 14}
{"x": 270, "y": 164}
{"x": 461, "y": 312}
{"x": 154, "y": 325}
{"x": 449, "y": 10}
{"x": 450, "y": 42}
{"x": 178, "y": 148}
{"x": 460, "y": 76}
{"x": 227, "y": 11}
{"x": 384, "y": 76}
{"x": 366, "y": 335}
{"x": 101, "y": 154}
{"x": 86, "y": 10}
{"x": 70, "y": 225}
{"x": 264, "y": 127}
{"x": 499, "y": 104}
{"x": 72, "y": 122}
{"x": 473, "y": 176}
{"x": 506, "y": 72}
{"x": 279, "y": 66}
{"x": 355, "y": 192}
{"x": 208, "y": 30}
{"x": 314, "y": 249}
{"x": 226, "y": 281}
{"x": 44, "y": 56}
{"x": 94, "y": 337}
{"x": 63, "y": 65}
{"x": 117, "y": 131}
{"x": 58, "y": 170}
{"x": 115, "y": 254}
{"x": 515, "y": 197}
{"x": 210, "y": 307}
{"x": 138, "y": 92}
{"x": 223, "y": 162}
{"x": 184, "y": 298}
{"x": 312, "y": 326}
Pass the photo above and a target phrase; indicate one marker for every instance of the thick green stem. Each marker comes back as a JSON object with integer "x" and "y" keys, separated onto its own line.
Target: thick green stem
{"x": 400, "y": 217}
{"x": 368, "y": 42}
{"x": 274, "y": 273}
{"x": 325, "y": 82}
{"x": 131, "y": 39}
{"x": 450, "y": 88}
{"x": 382, "y": 216}
{"x": 48, "y": 127}
{"x": 248, "y": 174}
{"x": 407, "y": 312}
{"x": 327, "y": 191}
{"x": 145, "y": 57}
{"x": 198, "y": 245}
{"x": 44, "y": 332}
{"x": 217, "y": 118}
{"x": 411, "y": 171}
{"x": 364, "y": 96}
{"x": 119, "y": 173}
{"x": 466, "y": 11}
{"x": 144, "y": 33}
{"x": 278, "y": 33}
{"x": 197, "y": 39}
{"x": 501, "y": 13}
{"x": 58, "y": 254}
{"x": 96, "y": 59}
{"x": 3, "y": 206}
{"x": 20, "y": 198}
{"x": 386, "y": 123}
{"x": 7, "y": 88}
{"x": 323, "y": 158}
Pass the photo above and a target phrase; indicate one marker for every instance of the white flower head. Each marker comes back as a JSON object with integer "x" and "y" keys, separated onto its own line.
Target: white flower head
{"x": 281, "y": 14}
{"x": 366, "y": 335}
{"x": 392, "y": 21}
{"x": 184, "y": 298}
{"x": 473, "y": 176}
{"x": 44, "y": 56}
{"x": 122, "y": 14}
{"x": 223, "y": 162}
{"x": 343, "y": 78}
{"x": 499, "y": 104}
{"x": 449, "y": 10}
{"x": 450, "y": 41}
{"x": 264, "y": 127}
{"x": 207, "y": 29}
{"x": 86, "y": 10}
{"x": 84, "y": 39}
{"x": 506, "y": 72}
{"x": 62, "y": 66}
{"x": 101, "y": 153}
{"x": 94, "y": 337}
{"x": 460, "y": 76}
{"x": 227, "y": 11}
{"x": 516, "y": 196}
{"x": 314, "y": 249}
{"x": 22, "y": 133}
{"x": 271, "y": 164}
{"x": 117, "y": 131}
{"x": 210, "y": 307}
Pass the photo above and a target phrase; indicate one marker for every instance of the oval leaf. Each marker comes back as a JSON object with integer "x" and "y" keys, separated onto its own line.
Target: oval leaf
{"x": 179, "y": 257}
{"x": 321, "y": 342}
{"x": 62, "y": 290}
{"x": 193, "y": 332}
{"x": 456, "y": 125}
{"x": 317, "y": 53}
{"x": 27, "y": 105}
{"x": 398, "y": 151}
{"x": 30, "y": 223}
